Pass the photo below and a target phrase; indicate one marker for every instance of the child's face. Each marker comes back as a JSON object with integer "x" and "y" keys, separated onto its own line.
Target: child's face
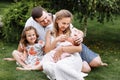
{"x": 64, "y": 23}
{"x": 31, "y": 36}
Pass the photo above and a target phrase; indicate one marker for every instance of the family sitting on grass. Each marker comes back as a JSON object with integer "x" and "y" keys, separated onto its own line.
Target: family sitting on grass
{"x": 51, "y": 44}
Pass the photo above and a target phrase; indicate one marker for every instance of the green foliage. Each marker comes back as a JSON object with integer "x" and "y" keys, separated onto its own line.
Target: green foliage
{"x": 16, "y": 16}
{"x": 100, "y": 9}
{"x": 106, "y": 9}
{"x": 47, "y": 4}
{"x": 14, "y": 20}
{"x": 89, "y": 8}
{"x": 103, "y": 10}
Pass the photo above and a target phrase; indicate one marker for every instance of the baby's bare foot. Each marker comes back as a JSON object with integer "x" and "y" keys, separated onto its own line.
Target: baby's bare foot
{"x": 20, "y": 68}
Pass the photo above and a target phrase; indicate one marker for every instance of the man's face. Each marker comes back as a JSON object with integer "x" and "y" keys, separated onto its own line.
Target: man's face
{"x": 45, "y": 19}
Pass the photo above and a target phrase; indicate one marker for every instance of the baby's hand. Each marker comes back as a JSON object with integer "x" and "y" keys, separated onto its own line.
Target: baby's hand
{"x": 78, "y": 41}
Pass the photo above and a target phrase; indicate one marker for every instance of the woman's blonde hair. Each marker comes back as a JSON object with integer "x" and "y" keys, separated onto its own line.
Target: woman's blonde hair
{"x": 59, "y": 15}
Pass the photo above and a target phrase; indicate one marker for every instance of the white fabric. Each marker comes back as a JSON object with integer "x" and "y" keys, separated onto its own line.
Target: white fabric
{"x": 69, "y": 68}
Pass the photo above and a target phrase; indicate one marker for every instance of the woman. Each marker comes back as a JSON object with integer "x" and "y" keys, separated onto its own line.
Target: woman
{"x": 68, "y": 68}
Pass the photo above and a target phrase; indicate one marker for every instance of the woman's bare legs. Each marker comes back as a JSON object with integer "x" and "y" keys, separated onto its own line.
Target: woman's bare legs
{"x": 85, "y": 67}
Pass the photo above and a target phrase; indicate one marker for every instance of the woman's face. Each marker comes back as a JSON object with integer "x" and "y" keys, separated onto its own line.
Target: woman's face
{"x": 31, "y": 36}
{"x": 63, "y": 24}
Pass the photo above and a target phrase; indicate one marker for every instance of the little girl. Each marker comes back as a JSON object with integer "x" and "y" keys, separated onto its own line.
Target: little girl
{"x": 30, "y": 49}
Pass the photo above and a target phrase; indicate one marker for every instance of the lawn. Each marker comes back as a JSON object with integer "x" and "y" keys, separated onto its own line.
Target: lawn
{"x": 101, "y": 38}
{"x": 105, "y": 40}
{"x": 8, "y": 69}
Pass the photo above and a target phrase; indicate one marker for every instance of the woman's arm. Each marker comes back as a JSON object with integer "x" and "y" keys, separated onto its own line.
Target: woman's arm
{"x": 67, "y": 49}
{"x": 72, "y": 49}
{"x": 50, "y": 45}
{"x": 47, "y": 47}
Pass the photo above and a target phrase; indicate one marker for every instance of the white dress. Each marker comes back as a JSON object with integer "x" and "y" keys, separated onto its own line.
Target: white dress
{"x": 68, "y": 68}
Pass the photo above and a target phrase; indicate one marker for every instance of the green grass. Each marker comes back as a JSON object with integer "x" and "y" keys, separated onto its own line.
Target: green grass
{"x": 8, "y": 69}
{"x": 105, "y": 40}
{"x": 101, "y": 38}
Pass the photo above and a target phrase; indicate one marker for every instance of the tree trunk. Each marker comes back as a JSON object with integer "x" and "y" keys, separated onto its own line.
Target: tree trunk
{"x": 85, "y": 25}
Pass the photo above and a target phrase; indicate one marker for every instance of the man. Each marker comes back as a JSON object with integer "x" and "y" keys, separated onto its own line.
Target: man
{"x": 43, "y": 21}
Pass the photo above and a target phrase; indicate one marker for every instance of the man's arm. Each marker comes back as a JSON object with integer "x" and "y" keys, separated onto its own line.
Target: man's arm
{"x": 80, "y": 35}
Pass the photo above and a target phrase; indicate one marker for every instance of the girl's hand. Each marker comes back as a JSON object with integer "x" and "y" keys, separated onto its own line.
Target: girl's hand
{"x": 22, "y": 58}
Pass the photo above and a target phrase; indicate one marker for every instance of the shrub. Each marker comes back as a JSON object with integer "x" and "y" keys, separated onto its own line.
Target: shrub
{"x": 16, "y": 16}
{"x": 14, "y": 20}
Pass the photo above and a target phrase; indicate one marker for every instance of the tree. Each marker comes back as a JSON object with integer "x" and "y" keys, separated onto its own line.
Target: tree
{"x": 101, "y": 9}
{"x": 17, "y": 15}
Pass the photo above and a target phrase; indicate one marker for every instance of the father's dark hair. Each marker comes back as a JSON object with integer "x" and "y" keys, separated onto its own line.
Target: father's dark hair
{"x": 37, "y": 12}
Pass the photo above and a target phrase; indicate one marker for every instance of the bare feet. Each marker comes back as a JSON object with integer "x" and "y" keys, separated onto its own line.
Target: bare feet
{"x": 21, "y": 68}
{"x": 104, "y": 64}
{"x": 9, "y": 59}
